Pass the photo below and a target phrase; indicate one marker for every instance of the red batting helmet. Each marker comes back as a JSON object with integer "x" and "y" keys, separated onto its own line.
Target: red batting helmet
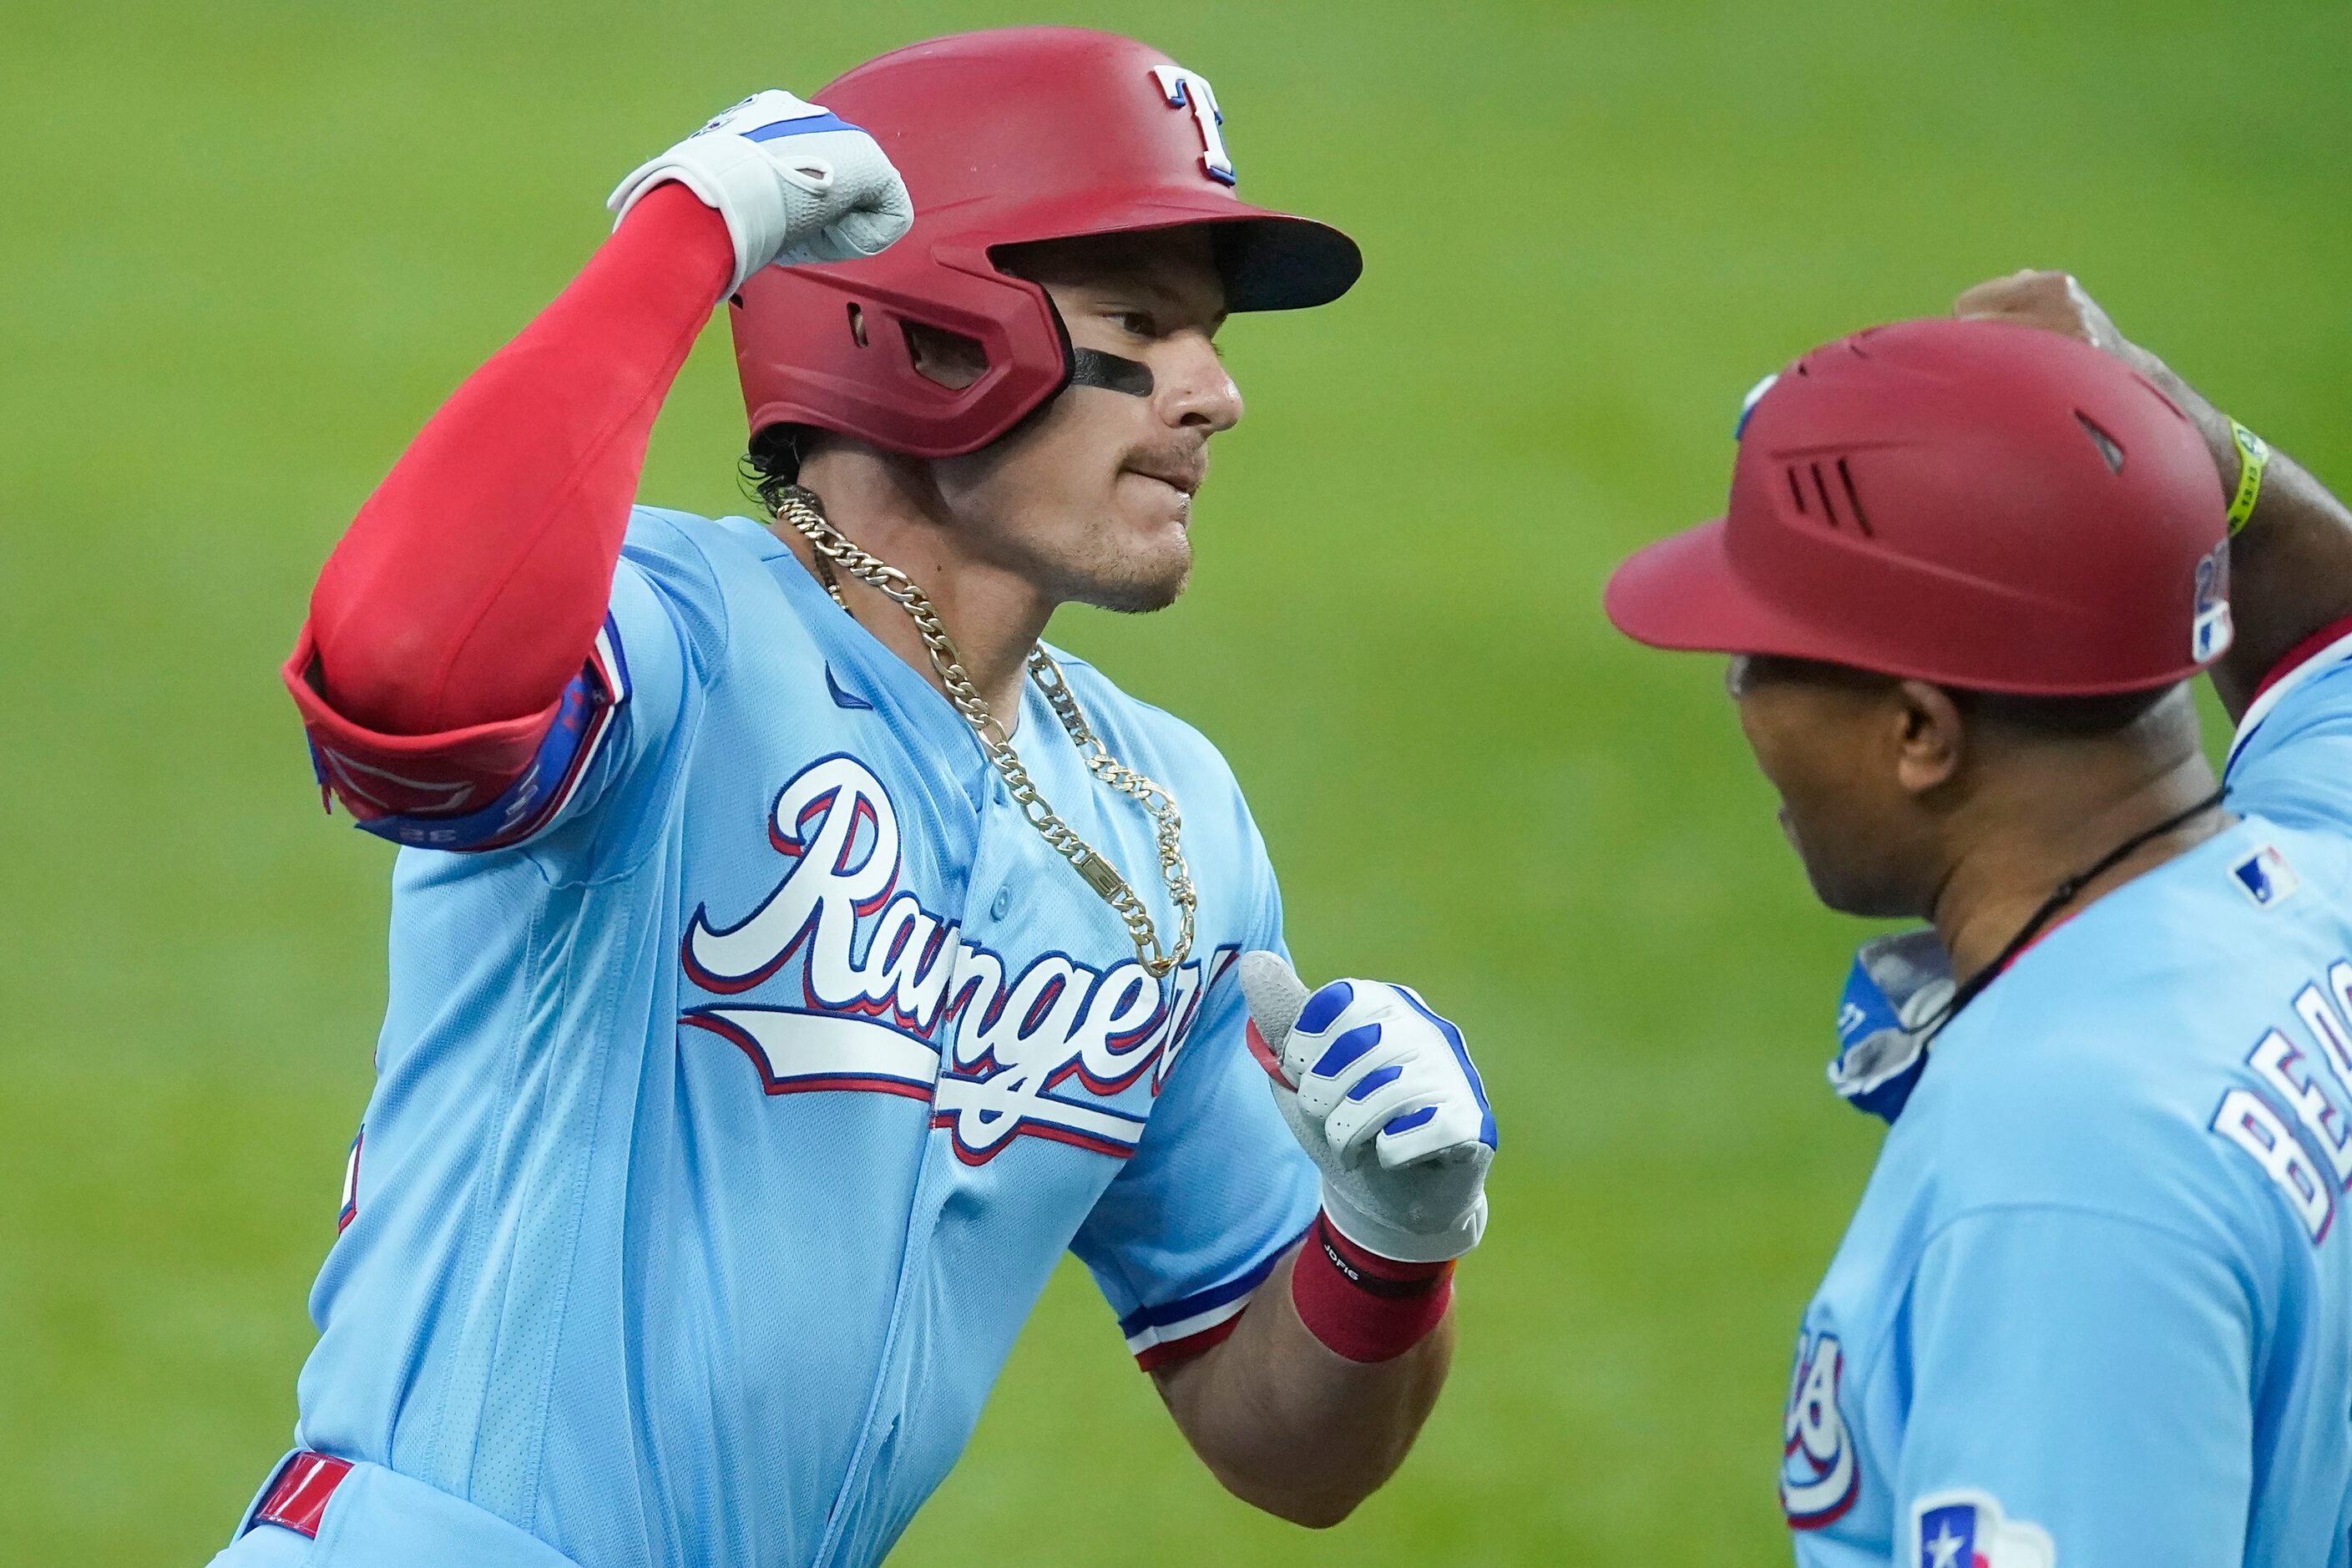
{"x": 1975, "y": 503}
{"x": 1004, "y": 137}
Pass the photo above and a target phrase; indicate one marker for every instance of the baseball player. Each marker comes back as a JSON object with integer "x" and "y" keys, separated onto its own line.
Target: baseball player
{"x": 2094, "y": 1308}
{"x": 792, "y": 957}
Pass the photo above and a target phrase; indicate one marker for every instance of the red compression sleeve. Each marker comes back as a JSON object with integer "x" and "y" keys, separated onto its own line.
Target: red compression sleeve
{"x": 467, "y": 595}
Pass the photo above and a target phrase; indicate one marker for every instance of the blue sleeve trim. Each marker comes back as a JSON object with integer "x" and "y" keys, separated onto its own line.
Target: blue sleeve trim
{"x": 2326, "y": 665}
{"x": 1217, "y": 1296}
{"x": 591, "y": 704}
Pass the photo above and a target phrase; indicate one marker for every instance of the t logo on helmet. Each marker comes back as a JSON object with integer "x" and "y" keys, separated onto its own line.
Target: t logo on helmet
{"x": 1188, "y": 90}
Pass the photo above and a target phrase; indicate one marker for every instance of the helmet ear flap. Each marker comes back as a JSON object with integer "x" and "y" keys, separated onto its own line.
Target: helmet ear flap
{"x": 831, "y": 346}
{"x": 1061, "y": 336}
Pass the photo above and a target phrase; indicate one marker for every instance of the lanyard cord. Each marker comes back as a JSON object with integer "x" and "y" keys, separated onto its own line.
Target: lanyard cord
{"x": 2066, "y": 893}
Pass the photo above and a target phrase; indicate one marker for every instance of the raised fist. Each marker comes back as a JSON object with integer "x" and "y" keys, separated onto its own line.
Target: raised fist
{"x": 1382, "y": 1095}
{"x": 2056, "y": 302}
{"x": 794, "y": 183}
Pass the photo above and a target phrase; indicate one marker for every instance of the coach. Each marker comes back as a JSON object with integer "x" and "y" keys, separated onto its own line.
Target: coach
{"x": 2093, "y": 1309}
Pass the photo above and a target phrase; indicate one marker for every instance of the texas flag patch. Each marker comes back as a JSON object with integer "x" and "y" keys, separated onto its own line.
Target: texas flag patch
{"x": 2266, "y": 878}
{"x": 1967, "y": 1529}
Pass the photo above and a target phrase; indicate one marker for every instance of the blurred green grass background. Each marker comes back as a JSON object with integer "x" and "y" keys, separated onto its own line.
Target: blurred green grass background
{"x": 247, "y": 246}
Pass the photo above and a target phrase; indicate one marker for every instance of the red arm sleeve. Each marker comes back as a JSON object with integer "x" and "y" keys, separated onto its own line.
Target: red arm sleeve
{"x": 464, "y": 599}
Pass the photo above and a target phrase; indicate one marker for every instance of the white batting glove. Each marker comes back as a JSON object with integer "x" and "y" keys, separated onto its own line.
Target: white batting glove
{"x": 1383, "y": 1097}
{"x": 793, "y": 182}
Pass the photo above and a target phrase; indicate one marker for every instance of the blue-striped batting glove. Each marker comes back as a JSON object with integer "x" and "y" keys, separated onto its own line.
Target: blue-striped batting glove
{"x": 1382, "y": 1095}
{"x": 793, "y": 182}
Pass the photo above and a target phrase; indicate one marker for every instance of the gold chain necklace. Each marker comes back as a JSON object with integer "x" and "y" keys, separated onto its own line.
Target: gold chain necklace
{"x": 798, "y": 509}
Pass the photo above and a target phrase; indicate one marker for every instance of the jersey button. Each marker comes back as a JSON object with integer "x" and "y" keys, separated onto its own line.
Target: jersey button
{"x": 1000, "y": 904}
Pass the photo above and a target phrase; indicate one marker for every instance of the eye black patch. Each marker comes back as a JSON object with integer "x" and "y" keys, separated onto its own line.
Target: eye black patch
{"x": 1092, "y": 367}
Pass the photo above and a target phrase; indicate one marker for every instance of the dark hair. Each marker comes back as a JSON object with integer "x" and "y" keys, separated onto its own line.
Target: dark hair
{"x": 2049, "y": 718}
{"x": 772, "y": 466}
{"x": 2062, "y": 717}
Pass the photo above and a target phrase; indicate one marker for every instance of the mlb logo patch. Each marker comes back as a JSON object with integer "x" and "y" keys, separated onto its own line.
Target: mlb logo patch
{"x": 1967, "y": 1529}
{"x": 2266, "y": 878}
{"x": 2209, "y": 632}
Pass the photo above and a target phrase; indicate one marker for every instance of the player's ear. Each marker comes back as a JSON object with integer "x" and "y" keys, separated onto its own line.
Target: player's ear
{"x": 1932, "y": 736}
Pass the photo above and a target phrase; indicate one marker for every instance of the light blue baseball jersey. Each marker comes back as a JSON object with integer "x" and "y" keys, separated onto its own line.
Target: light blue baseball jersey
{"x": 744, "y": 1080}
{"x": 2095, "y": 1306}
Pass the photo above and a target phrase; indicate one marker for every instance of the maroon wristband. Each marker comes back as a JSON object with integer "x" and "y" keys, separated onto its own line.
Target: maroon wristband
{"x": 1362, "y": 1306}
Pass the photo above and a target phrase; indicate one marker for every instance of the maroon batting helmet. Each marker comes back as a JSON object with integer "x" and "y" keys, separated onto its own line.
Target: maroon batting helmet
{"x": 1005, "y": 137}
{"x": 1975, "y": 503}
